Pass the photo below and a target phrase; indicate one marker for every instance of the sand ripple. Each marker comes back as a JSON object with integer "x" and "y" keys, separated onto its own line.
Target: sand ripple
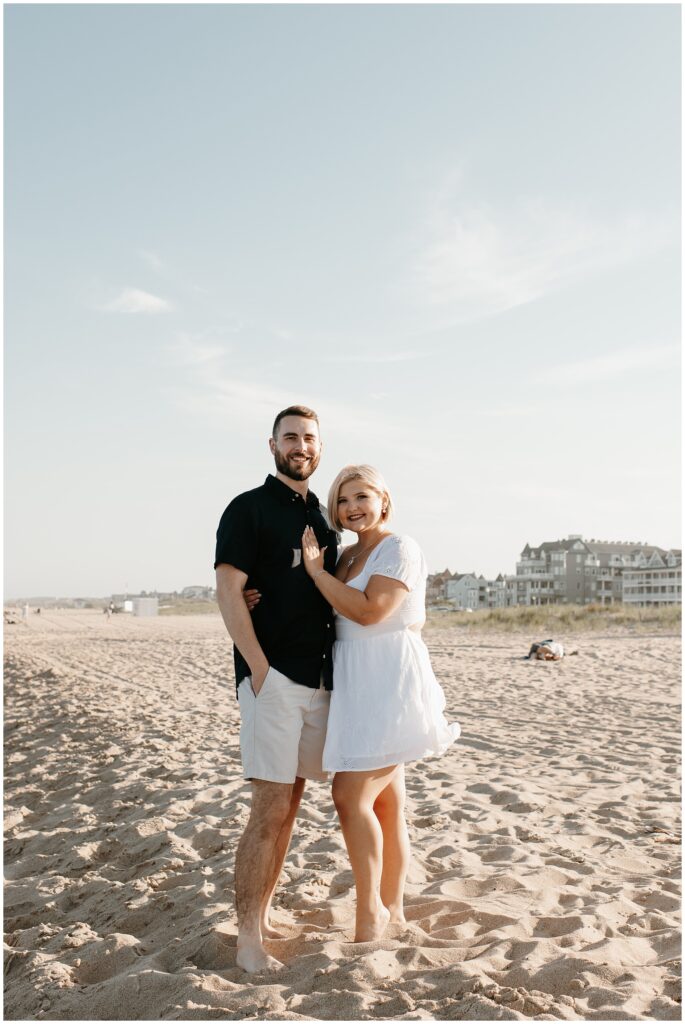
{"x": 544, "y": 881}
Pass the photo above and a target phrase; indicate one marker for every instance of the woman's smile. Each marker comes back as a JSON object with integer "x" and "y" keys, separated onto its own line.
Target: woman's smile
{"x": 360, "y": 509}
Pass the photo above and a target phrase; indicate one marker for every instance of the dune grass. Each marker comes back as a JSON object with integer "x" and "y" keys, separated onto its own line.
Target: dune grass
{"x": 189, "y": 607}
{"x": 553, "y": 619}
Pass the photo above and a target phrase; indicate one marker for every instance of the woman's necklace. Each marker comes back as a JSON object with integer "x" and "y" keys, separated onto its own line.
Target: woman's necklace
{"x": 364, "y": 550}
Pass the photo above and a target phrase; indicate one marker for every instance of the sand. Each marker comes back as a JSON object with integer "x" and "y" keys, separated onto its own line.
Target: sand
{"x": 544, "y": 878}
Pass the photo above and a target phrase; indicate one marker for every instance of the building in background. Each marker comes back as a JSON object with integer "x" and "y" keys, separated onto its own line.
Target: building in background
{"x": 658, "y": 582}
{"x": 613, "y": 558}
{"x": 468, "y": 592}
{"x": 555, "y": 572}
{"x": 576, "y": 571}
{"x": 569, "y": 571}
{"x": 145, "y": 606}
{"x": 436, "y": 587}
{"x": 462, "y": 591}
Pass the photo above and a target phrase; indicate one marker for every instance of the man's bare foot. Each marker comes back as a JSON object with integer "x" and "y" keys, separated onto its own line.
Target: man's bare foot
{"x": 270, "y": 933}
{"x": 252, "y": 957}
{"x": 372, "y": 929}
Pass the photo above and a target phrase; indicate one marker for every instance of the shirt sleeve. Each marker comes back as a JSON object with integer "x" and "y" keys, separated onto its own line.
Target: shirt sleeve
{"x": 400, "y": 559}
{"x": 236, "y": 537}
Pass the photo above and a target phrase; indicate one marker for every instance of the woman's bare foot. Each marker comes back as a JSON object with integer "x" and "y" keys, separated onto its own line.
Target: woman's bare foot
{"x": 252, "y": 957}
{"x": 371, "y": 929}
{"x": 270, "y": 933}
{"x": 397, "y": 916}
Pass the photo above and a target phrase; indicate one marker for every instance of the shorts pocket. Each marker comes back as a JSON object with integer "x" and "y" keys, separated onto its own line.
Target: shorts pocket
{"x": 245, "y": 688}
{"x": 264, "y": 685}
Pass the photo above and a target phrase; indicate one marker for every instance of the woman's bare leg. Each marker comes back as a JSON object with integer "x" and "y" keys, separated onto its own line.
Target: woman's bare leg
{"x": 354, "y": 794}
{"x": 389, "y": 809}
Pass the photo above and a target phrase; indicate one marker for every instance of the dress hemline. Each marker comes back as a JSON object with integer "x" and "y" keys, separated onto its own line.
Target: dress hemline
{"x": 401, "y": 757}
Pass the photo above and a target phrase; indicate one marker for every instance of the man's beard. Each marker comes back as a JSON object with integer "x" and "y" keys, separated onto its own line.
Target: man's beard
{"x": 295, "y": 470}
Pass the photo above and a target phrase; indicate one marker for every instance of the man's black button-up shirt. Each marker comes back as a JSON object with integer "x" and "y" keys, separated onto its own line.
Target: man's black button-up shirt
{"x": 260, "y": 533}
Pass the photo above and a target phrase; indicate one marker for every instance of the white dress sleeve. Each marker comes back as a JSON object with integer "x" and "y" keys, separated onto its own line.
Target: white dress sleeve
{"x": 399, "y": 558}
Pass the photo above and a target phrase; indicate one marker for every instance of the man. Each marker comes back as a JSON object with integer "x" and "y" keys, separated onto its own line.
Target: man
{"x": 282, "y": 661}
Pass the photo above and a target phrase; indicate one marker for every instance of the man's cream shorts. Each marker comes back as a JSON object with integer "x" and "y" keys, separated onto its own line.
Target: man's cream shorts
{"x": 282, "y": 730}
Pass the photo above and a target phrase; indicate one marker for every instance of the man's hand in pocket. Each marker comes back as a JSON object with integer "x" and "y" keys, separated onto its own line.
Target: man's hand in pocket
{"x": 258, "y": 678}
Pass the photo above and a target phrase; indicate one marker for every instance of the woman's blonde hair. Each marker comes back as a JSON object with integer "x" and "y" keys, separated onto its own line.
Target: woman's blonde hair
{"x": 371, "y": 477}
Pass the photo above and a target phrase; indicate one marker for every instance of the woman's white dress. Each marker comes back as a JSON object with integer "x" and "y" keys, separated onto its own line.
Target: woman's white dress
{"x": 386, "y": 705}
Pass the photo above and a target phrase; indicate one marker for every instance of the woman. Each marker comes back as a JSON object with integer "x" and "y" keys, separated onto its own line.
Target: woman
{"x": 386, "y": 706}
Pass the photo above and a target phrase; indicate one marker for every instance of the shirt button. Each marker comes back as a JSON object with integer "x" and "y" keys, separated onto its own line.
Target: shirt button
{"x": 324, "y": 657}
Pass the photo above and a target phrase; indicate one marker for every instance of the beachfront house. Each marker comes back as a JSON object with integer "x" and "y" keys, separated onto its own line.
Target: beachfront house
{"x": 616, "y": 558}
{"x": 555, "y": 572}
{"x": 496, "y": 593}
{"x": 436, "y": 587}
{"x": 576, "y": 571}
{"x": 468, "y": 592}
{"x": 463, "y": 591}
{"x": 658, "y": 581}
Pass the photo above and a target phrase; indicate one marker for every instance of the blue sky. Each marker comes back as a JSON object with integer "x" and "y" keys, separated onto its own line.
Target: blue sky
{"x": 452, "y": 230}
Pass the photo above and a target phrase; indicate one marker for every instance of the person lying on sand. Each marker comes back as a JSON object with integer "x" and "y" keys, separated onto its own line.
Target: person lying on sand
{"x": 548, "y": 650}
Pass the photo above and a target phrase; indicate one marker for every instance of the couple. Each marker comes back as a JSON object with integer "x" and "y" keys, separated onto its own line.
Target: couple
{"x": 315, "y": 626}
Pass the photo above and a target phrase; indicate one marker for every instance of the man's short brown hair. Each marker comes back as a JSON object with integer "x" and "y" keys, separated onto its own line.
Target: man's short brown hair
{"x": 294, "y": 410}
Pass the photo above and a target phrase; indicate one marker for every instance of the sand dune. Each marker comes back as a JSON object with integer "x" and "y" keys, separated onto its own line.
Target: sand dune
{"x": 545, "y": 874}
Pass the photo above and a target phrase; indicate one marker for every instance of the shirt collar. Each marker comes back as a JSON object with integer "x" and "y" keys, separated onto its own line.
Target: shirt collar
{"x": 286, "y": 494}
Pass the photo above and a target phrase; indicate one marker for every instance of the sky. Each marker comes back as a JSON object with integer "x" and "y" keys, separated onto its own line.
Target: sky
{"x": 453, "y": 230}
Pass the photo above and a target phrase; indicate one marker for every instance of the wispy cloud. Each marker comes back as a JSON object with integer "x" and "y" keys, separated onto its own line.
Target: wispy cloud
{"x": 475, "y": 260}
{"x": 218, "y": 395}
{"x": 504, "y": 411}
{"x": 610, "y": 365}
{"x": 134, "y": 300}
{"x": 377, "y": 357}
{"x": 225, "y": 397}
{"x": 198, "y": 349}
{"x": 151, "y": 259}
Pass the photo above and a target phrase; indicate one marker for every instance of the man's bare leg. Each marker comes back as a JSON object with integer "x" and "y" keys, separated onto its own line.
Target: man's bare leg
{"x": 389, "y": 809}
{"x": 254, "y": 864}
{"x": 282, "y": 844}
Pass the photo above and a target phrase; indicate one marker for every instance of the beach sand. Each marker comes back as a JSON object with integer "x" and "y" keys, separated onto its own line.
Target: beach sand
{"x": 544, "y": 881}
